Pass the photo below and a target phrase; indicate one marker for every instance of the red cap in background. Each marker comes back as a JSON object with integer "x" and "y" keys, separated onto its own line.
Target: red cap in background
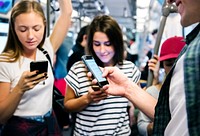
{"x": 171, "y": 48}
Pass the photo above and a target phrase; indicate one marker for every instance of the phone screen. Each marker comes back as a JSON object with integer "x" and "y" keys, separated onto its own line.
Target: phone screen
{"x": 94, "y": 68}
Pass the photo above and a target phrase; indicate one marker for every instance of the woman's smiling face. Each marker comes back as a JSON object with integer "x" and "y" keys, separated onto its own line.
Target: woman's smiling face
{"x": 103, "y": 48}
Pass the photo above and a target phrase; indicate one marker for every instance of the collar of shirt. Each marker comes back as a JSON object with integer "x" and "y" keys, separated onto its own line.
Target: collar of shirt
{"x": 192, "y": 34}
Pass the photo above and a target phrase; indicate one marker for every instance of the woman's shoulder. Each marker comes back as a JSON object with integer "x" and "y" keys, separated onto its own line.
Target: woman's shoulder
{"x": 4, "y": 63}
{"x": 48, "y": 46}
{"x": 5, "y": 60}
{"x": 131, "y": 70}
{"x": 7, "y": 67}
{"x": 6, "y": 57}
{"x": 78, "y": 66}
{"x": 127, "y": 64}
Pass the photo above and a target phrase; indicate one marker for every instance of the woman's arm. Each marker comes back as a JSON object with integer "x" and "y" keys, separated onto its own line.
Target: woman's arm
{"x": 73, "y": 104}
{"x": 62, "y": 24}
{"x": 10, "y": 99}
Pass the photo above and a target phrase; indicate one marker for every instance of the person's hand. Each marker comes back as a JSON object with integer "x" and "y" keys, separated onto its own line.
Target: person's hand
{"x": 96, "y": 94}
{"x": 153, "y": 65}
{"x": 29, "y": 80}
{"x": 118, "y": 81}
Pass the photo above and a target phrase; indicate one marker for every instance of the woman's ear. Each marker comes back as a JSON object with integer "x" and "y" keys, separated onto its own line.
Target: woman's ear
{"x": 84, "y": 42}
{"x": 85, "y": 37}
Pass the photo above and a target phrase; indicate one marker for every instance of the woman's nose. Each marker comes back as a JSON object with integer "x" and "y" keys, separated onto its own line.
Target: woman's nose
{"x": 30, "y": 34}
{"x": 102, "y": 48}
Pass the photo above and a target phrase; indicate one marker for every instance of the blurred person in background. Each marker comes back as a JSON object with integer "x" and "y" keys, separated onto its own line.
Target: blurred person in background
{"x": 149, "y": 51}
{"x": 169, "y": 52}
{"x": 132, "y": 51}
{"x": 78, "y": 50}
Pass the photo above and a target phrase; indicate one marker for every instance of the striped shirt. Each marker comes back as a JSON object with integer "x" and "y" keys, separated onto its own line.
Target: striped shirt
{"x": 107, "y": 117}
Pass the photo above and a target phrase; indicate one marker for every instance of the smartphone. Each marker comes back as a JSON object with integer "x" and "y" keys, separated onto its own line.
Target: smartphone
{"x": 41, "y": 66}
{"x": 95, "y": 87}
{"x": 94, "y": 69}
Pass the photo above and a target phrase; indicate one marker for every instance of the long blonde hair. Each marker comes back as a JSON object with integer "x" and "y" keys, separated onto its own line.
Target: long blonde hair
{"x": 14, "y": 49}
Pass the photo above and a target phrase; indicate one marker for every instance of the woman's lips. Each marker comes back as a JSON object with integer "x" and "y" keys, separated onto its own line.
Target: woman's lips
{"x": 31, "y": 42}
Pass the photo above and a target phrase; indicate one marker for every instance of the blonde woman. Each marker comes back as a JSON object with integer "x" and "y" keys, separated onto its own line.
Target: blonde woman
{"x": 25, "y": 102}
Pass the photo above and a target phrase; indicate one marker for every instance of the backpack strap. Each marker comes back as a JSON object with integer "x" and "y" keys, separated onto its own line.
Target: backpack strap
{"x": 48, "y": 57}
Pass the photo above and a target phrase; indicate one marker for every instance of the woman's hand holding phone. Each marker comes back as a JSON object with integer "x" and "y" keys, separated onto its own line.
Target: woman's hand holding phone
{"x": 96, "y": 95}
{"x": 29, "y": 80}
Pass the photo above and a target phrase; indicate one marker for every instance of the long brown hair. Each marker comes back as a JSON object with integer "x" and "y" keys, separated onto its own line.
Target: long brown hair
{"x": 14, "y": 49}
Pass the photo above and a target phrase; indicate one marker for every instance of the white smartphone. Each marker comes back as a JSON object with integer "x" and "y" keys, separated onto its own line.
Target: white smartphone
{"x": 94, "y": 69}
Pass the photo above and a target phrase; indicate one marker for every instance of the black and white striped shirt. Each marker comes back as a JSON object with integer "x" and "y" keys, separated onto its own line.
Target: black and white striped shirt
{"x": 107, "y": 117}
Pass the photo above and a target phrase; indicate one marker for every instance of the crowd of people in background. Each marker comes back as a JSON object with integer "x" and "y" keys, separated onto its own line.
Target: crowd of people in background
{"x": 123, "y": 107}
